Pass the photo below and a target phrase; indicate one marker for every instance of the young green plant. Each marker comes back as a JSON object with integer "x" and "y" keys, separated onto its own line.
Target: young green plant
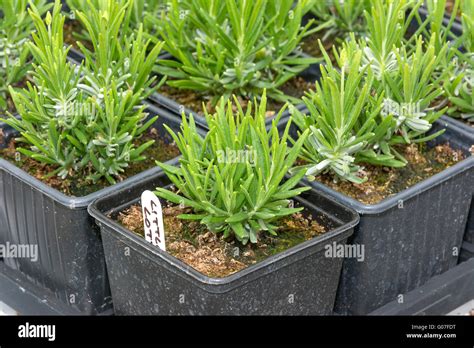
{"x": 233, "y": 47}
{"x": 342, "y": 118}
{"x": 410, "y": 91}
{"x": 125, "y": 60}
{"x": 137, "y": 12}
{"x": 437, "y": 25}
{"x": 460, "y": 85}
{"x": 234, "y": 177}
{"x": 15, "y": 30}
{"x": 387, "y": 29}
{"x": 65, "y": 122}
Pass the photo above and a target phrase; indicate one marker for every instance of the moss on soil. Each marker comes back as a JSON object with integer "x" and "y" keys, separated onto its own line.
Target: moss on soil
{"x": 383, "y": 182}
{"x": 77, "y": 185}
{"x": 209, "y": 253}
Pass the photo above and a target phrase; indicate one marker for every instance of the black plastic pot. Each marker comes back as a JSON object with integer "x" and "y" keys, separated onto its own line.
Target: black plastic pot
{"x": 469, "y": 235}
{"x": 439, "y": 296}
{"x": 311, "y": 74}
{"x": 77, "y": 57}
{"x": 71, "y": 262}
{"x": 468, "y": 132}
{"x": 463, "y": 127}
{"x": 6, "y": 133}
{"x": 409, "y": 237}
{"x": 467, "y": 251}
{"x": 25, "y": 298}
{"x": 456, "y": 27}
{"x": 145, "y": 280}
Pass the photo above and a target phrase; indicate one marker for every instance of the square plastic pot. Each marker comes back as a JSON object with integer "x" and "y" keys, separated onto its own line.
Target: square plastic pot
{"x": 147, "y": 281}
{"x": 5, "y": 133}
{"x": 469, "y": 235}
{"x": 76, "y": 56}
{"x": 311, "y": 74}
{"x": 71, "y": 262}
{"x": 409, "y": 237}
{"x": 456, "y": 27}
{"x": 467, "y": 252}
{"x": 463, "y": 127}
{"x": 24, "y": 298}
{"x": 439, "y": 296}
{"x": 468, "y": 133}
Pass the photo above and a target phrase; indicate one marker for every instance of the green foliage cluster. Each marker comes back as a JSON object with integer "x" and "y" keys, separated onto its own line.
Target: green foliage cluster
{"x": 235, "y": 195}
{"x": 239, "y": 47}
{"x": 85, "y": 120}
{"x": 15, "y": 29}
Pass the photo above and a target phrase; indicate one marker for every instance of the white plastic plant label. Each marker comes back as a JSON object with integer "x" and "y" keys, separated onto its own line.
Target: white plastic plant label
{"x": 153, "y": 219}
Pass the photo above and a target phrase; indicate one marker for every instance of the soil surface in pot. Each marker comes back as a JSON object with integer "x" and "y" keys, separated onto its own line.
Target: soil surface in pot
{"x": 73, "y": 32}
{"x": 209, "y": 253}
{"x": 295, "y": 87}
{"x": 77, "y": 185}
{"x": 450, "y": 7}
{"x": 383, "y": 182}
{"x": 310, "y": 45}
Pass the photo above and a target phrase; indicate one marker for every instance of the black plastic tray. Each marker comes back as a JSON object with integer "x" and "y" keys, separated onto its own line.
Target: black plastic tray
{"x": 439, "y": 296}
{"x": 145, "y": 280}
{"x": 25, "y": 298}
